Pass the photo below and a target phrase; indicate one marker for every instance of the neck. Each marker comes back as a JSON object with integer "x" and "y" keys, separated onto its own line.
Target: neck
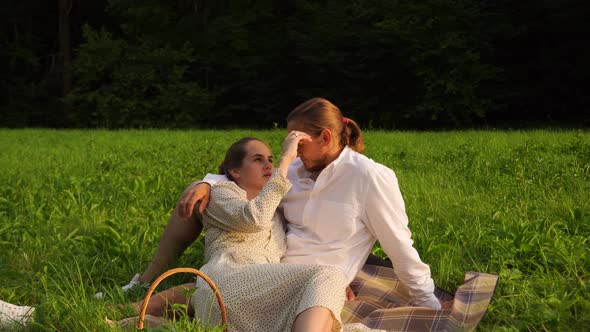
{"x": 330, "y": 157}
{"x": 251, "y": 194}
{"x": 333, "y": 155}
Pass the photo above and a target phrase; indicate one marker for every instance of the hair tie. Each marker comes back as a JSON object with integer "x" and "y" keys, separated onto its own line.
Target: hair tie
{"x": 344, "y": 120}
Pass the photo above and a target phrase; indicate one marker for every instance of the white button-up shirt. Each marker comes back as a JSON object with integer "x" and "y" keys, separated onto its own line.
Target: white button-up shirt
{"x": 336, "y": 220}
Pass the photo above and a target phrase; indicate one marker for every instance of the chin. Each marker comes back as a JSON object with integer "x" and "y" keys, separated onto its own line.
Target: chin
{"x": 313, "y": 168}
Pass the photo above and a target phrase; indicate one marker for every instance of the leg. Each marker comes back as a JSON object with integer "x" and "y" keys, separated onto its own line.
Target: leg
{"x": 177, "y": 236}
{"x": 316, "y": 319}
{"x": 161, "y": 304}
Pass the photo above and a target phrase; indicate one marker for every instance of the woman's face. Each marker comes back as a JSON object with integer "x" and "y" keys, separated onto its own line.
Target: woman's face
{"x": 256, "y": 168}
{"x": 313, "y": 154}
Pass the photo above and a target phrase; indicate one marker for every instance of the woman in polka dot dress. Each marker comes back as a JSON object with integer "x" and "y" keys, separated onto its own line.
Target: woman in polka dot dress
{"x": 244, "y": 242}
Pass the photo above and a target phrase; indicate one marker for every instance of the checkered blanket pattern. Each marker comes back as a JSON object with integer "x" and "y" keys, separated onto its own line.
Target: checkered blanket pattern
{"x": 383, "y": 303}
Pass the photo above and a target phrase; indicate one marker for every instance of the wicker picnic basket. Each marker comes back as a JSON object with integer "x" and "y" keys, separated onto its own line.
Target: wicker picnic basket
{"x": 181, "y": 270}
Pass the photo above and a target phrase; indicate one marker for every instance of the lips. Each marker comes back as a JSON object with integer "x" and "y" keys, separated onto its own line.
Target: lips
{"x": 267, "y": 175}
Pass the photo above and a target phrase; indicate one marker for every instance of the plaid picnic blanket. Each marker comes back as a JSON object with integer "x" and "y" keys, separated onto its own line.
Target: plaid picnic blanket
{"x": 382, "y": 303}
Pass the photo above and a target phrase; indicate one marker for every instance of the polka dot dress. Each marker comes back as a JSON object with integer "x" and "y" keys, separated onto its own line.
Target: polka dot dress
{"x": 244, "y": 243}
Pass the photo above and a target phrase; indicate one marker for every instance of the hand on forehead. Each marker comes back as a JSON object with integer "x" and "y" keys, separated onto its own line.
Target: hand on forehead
{"x": 299, "y": 127}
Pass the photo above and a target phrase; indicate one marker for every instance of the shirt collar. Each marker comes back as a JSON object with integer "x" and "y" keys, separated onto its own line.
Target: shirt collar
{"x": 302, "y": 173}
{"x": 343, "y": 155}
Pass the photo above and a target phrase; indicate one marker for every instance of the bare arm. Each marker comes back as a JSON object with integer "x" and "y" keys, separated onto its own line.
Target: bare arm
{"x": 197, "y": 192}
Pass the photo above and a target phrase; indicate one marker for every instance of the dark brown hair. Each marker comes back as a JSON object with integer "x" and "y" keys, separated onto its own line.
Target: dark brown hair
{"x": 317, "y": 114}
{"x": 235, "y": 155}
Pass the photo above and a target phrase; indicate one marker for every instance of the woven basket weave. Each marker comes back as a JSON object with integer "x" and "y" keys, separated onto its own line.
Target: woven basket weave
{"x": 181, "y": 270}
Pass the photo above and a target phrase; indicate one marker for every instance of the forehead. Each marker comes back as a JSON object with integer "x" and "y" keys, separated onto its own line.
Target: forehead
{"x": 257, "y": 147}
{"x": 296, "y": 125}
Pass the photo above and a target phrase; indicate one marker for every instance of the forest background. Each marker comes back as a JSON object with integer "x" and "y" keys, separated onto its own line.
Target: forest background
{"x": 82, "y": 210}
{"x": 216, "y": 64}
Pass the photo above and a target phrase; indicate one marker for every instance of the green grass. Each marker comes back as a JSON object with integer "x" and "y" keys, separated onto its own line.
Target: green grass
{"x": 82, "y": 211}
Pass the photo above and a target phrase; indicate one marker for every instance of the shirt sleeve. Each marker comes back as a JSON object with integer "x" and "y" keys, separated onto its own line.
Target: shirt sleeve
{"x": 230, "y": 210}
{"x": 212, "y": 179}
{"x": 386, "y": 218}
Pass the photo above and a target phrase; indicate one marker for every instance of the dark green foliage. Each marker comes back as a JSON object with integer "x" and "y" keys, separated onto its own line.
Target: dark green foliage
{"x": 396, "y": 63}
{"x": 386, "y": 63}
{"x": 540, "y": 45}
{"x": 444, "y": 52}
{"x": 126, "y": 85}
{"x": 26, "y": 80}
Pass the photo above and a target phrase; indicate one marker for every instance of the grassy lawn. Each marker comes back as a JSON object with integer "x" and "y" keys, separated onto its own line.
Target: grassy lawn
{"x": 82, "y": 211}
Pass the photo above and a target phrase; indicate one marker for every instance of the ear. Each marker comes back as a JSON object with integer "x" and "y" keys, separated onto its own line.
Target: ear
{"x": 235, "y": 173}
{"x": 326, "y": 136}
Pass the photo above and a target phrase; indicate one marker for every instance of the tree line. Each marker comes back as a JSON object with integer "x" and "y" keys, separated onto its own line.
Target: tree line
{"x": 388, "y": 64}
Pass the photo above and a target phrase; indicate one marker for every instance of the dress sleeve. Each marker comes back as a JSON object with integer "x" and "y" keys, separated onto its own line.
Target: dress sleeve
{"x": 385, "y": 215}
{"x": 229, "y": 209}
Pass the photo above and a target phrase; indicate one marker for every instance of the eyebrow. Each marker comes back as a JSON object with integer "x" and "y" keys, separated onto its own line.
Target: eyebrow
{"x": 259, "y": 155}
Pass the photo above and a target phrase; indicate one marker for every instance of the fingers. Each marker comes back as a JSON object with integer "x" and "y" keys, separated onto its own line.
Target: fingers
{"x": 291, "y": 143}
{"x": 350, "y": 296}
{"x": 201, "y": 193}
{"x": 183, "y": 206}
{"x": 297, "y": 136}
{"x": 203, "y": 204}
{"x": 190, "y": 206}
{"x": 194, "y": 196}
{"x": 189, "y": 198}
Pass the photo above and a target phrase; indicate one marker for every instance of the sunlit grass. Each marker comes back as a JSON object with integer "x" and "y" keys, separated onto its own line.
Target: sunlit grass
{"x": 82, "y": 211}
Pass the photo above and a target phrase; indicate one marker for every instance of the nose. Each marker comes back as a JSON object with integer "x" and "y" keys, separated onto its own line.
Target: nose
{"x": 268, "y": 165}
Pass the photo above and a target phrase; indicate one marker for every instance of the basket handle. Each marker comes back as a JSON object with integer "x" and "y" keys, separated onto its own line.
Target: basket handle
{"x": 174, "y": 271}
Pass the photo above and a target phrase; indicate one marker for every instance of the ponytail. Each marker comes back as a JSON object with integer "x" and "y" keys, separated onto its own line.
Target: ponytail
{"x": 352, "y": 136}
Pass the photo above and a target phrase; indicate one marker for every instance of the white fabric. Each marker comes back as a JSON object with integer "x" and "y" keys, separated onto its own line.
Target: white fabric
{"x": 12, "y": 315}
{"x": 336, "y": 219}
{"x": 244, "y": 244}
{"x": 134, "y": 282}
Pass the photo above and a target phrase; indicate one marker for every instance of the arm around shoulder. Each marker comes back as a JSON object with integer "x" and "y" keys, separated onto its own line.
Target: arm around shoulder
{"x": 197, "y": 191}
